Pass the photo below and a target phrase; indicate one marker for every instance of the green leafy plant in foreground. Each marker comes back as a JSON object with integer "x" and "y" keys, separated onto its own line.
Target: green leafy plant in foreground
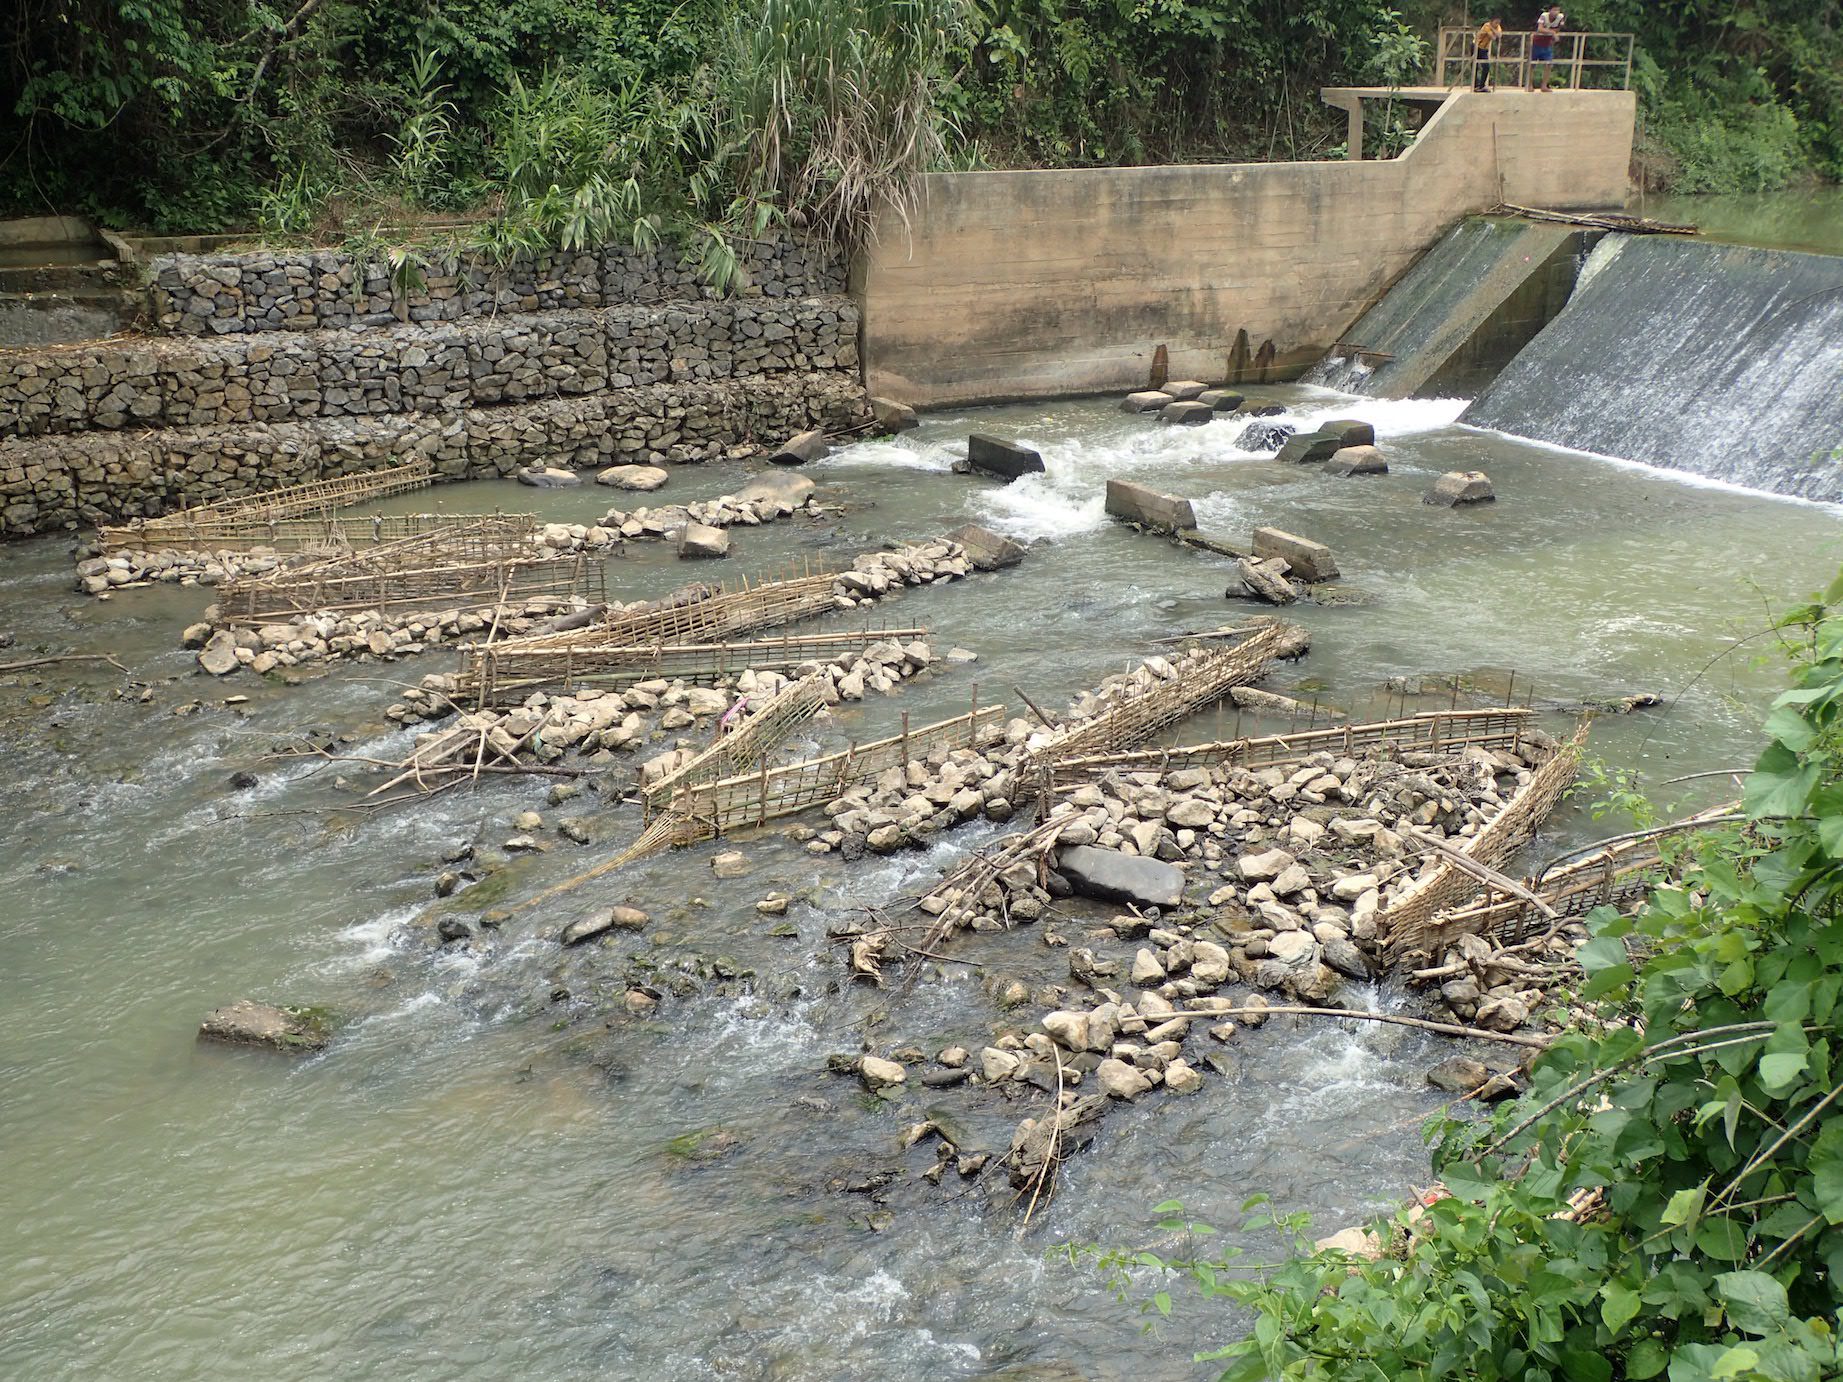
{"x": 1667, "y": 1199}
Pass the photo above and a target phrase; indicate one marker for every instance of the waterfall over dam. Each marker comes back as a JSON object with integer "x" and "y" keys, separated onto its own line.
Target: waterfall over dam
{"x": 1724, "y": 361}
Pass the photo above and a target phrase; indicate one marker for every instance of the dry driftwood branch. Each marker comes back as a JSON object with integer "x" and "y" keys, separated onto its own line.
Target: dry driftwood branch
{"x": 1420, "y": 1023}
{"x": 62, "y": 657}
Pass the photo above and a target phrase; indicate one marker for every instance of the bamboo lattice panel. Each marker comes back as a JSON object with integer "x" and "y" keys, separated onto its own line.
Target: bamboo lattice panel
{"x": 1405, "y": 926}
{"x": 748, "y": 745}
{"x": 327, "y": 532}
{"x": 493, "y": 674}
{"x": 292, "y": 501}
{"x": 1433, "y": 731}
{"x": 467, "y": 585}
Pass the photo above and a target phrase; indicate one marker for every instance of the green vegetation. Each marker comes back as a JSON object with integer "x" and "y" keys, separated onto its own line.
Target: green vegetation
{"x": 563, "y": 120}
{"x": 1667, "y": 1199}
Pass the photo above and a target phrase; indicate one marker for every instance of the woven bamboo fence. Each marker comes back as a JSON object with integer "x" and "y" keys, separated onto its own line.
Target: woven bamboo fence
{"x": 1616, "y": 874}
{"x": 326, "y": 532}
{"x": 502, "y": 673}
{"x": 747, "y": 746}
{"x": 708, "y": 810}
{"x": 189, "y": 528}
{"x": 1407, "y": 925}
{"x": 1432, "y": 732}
{"x": 1204, "y": 680}
{"x": 332, "y": 589}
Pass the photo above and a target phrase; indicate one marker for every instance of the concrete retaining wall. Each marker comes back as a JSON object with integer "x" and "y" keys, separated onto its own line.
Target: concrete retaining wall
{"x": 1034, "y": 284}
{"x": 441, "y": 367}
{"x": 227, "y": 294}
{"x": 60, "y": 480}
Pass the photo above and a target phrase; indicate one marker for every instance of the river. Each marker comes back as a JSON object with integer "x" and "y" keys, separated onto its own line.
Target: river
{"x": 481, "y": 1179}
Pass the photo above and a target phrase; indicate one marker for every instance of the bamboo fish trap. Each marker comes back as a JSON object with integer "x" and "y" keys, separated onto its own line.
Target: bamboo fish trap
{"x": 1408, "y": 925}
{"x": 195, "y": 528}
{"x": 493, "y": 581}
{"x": 328, "y": 532}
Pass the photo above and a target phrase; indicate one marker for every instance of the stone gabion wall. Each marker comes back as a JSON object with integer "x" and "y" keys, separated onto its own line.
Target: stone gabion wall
{"x": 231, "y": 294}
{"x": 166, "y": 382}
{"x": 61, "y": 480}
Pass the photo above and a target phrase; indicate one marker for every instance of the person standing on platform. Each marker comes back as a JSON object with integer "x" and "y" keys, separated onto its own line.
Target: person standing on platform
{"x": 1488, "y": 34}
{"x": 1542, "y": 47}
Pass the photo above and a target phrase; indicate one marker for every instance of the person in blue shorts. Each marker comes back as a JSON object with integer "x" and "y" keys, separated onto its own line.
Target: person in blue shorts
{"x": 1542, "y": 47}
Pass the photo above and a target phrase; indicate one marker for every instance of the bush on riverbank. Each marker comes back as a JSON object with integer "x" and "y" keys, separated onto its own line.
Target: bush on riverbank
{"x": 1667, "y": 1199}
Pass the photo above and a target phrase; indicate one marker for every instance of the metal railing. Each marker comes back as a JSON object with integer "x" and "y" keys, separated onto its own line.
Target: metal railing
{"x": 1583, "y": 60}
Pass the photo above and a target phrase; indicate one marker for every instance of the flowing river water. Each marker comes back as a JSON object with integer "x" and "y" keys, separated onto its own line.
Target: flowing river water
{"x": 481, "y": 1178}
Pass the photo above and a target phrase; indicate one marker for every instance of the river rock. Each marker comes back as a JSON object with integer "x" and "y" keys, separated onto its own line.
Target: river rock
{"x": 778, "y": 487}
{"x": 1295, "y": 949}
{"x": 1349, "y": 431}
{"x": 891, "y": 416}
{"x": 1068, "y": 1027}
{"x": 1263, "y": 436}
{"x": 297, "y": 1031}
{"x": 1460, "y": 487}
{"x": 1147, "y": 971}
{"x": 732, "y": 863}
{"x": 996, "y": 1065}
{"x": 548, "y": 477}
{"x": 633, "y": 477}
{"x": 219, "y": 655}
{"x": 586, "y": 928}
{"x": 701, "y": 542}
{"x": 1005, "y": 459}
{"x": 798, "y": 450}
{"x": 1259, "y": 868}
{"x": 1119, "y": 1080}
{"x": 1116, "y": 877}
{"x": 986, "y": 549}
{"x": 1145, "y": 401}
{"x": 878, "y": 1073}
{"x": 1181, "y": 1078}
{"x": 1458, "y": 1075}
{"x": 1344, "y": 956}
{"x": 1357, "y": 460}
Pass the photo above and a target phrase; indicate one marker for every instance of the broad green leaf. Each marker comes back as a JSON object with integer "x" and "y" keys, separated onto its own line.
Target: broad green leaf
{"x": 1826, "y": 1167}
{"x": 1791, "y": 729}
{"x": 1722, "y": 1239}
{"x": 1618, "y": 1304}
{"x": 1685, "y": 1205}
{"x": 1780, "y": 1072}
{"x": 1756, "y": 1302}
{"x": 1647, "y": 1359}
{"x": 1736, "y": 1362}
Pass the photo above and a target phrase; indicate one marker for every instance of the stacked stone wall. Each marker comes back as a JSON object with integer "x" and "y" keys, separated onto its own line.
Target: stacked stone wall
{"x": 166, "y": 382}
{"x": 229, "y": 294}
{"x": 61, "y": 480}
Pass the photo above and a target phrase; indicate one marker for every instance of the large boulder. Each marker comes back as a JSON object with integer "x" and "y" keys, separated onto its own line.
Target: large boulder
{"x": 548, "y": 477}
{"x": 634, "y": 477}
{"x": 1261, "y": 435}
{"x": 1137, "y": 504}
{"x": 701, "y": 542}
{"x": 1460, "y": 487}
{"x": 219, "y": 655}
{"x": 1145, "y": 401}
{"x": 798, "y": 450}
{"x": 1302, "y": 447}
{"x": 1310, "y": 561}
{"x": 778, "y": 486}
{"x": 987, "y": 550}
{"x": 891, "y": 416}
{"x": 297, "y": 1031}
{"x": 1116, "y": 877}
{"x": 1004, "y": 459}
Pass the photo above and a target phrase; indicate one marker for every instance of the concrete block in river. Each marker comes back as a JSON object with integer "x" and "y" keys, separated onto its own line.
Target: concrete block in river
{"x": 1222, "y": 400}
{"x": 1005, "y": 459}
{"x": 1302, "y": 447}
{"x": 1357, "y": 460}
{"x": 798, "y": 450}
{"x": 699, "y": 541}
{"x": 1349, "y": 432}
{"x": 1260, "y": 407}
{"x": 1186, "y": 414}
{"x": 1261, "y": 435}
{"x": 1183, "y": 390}
{"x": 1145, "y": 401}
{"x": 1137, "y": 504}
{"x": 1309, "y": 560}
{"x": 1460, "y": 487}
{"x": 987, "y": 550}
{"x": 1116, "y": 877}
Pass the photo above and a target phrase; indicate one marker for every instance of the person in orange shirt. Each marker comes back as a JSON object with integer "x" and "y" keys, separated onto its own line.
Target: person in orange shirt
{"x": 1488, "y": 33}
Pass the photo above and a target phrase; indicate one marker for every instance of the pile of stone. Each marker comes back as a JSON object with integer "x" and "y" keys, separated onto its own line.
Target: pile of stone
{"x": 368, "y": 635}
{"x": 1484, "y": 983}
{"x": 765, "y": 500}
{"x": 876, "y": 574}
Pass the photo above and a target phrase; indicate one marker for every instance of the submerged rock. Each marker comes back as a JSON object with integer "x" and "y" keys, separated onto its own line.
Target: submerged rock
{"x": 297, "y": 1031}
{"x": 987, "y": 550}
{"x": 1460, "y": 487}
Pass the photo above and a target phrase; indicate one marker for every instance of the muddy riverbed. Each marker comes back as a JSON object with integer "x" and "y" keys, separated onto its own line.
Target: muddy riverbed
{"x": 482, "y": 1178}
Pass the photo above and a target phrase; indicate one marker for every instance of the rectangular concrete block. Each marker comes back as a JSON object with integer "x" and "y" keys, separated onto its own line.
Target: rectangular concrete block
{"x": 1005, "y": 459}
{"x": 1309, "y": 560}
{"x": 1137, "y": 504}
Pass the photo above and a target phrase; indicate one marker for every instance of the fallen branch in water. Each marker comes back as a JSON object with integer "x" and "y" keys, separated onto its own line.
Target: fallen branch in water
{"x": 62, "y": 657}
{"x": 1420, "y": 1023}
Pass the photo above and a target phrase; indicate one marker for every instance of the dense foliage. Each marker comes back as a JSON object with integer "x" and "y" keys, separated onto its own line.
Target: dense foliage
{"x": 202, "y": 114}
{"x": 1667, "y": 1199}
